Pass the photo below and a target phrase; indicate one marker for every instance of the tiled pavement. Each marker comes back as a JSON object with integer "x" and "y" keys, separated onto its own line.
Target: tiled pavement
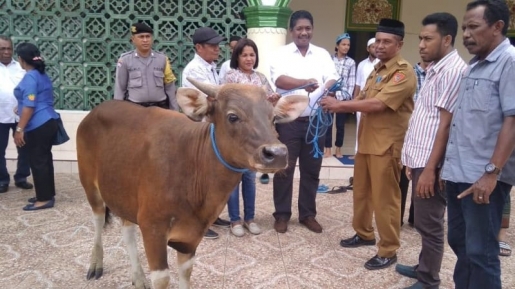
{"x": 51, "y": 248}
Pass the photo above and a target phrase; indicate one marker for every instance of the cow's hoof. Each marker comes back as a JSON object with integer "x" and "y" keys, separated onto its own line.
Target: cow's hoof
{"x": 97, "y": 273}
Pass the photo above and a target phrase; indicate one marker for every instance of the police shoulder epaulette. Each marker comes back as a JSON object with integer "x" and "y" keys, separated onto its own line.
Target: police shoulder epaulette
{"x": 126, "y": 53}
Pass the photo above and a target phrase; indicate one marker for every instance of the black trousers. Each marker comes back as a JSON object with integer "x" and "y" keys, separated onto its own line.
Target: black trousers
{"x": 293, "y": 135}
{"x": 339, "y": 122}
{"x": 38, "y": 143}
{"x": 404, "y": 184}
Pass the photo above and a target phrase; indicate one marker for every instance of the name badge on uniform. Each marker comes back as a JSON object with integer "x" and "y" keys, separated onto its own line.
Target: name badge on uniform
{"x": 379, "y": 78}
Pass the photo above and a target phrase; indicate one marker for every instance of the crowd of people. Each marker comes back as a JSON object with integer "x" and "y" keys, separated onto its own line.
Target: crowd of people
{"x": 445, "y": 125}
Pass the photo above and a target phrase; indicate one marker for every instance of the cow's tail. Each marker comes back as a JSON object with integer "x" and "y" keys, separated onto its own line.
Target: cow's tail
{"x": 107, "y": 217}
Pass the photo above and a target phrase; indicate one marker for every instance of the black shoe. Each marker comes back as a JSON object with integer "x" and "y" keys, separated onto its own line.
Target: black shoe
{"x": 4, "y": 188}
{"x": 222, "y": 223}
{"x": 24, "y": 185}
{"x": 356, "y": 241}
{"x": 210, "y": 234}
{"x": 408, "y": 271}
{"x": 377, "y": 262}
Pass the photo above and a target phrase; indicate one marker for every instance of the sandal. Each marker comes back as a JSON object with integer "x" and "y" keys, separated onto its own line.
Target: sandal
{"x": 322, "y": 189}
{"x": 337, "y": 190}
{"x": 505, "y": 249}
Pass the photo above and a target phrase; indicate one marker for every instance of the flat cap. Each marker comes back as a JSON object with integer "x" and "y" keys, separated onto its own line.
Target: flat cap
{"x": 391, "y": 26}
{"x": 138, "y": 28}
{"x": 206, "y": 35}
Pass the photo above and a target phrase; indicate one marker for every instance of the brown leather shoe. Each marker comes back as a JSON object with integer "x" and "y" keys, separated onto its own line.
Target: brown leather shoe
{"x": 312, "y": 224}
{"x": 281, "y": 226}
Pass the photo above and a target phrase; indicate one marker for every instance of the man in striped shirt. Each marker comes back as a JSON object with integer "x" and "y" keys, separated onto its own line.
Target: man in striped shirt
{"x": 426, "y": 139}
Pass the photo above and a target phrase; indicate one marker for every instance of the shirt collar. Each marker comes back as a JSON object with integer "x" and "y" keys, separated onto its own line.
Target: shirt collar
{"x": 204, "y": 63}
{"x": 496, "y": 53}
{"x": 389, "y": 63}
{"x": 336, "y": 57}
{"x": 295, "y": 49}
{"x": 436, "y": 67}
{"x": 13, "y": 62}
{"x": 151, "y": 53}
{"x": 419, "y": 69}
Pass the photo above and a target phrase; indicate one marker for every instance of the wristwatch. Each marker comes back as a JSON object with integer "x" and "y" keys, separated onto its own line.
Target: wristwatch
{"x": 490, "y": 168}
{"x": 19, "y": 129}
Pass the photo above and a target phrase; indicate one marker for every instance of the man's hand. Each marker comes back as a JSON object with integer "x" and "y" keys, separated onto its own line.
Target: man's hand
{"x": 331, "y": 104}
{"x": 426, "y": 184}
{"x": 481, "y": 189}
{"x": 408, "y": 173}
{"x": 19, "y": 138}
{"x": 312, "y": 87}
{"x": 273, "y": 98}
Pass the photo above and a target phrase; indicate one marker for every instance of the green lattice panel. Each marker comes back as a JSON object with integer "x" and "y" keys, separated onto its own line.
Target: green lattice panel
{"x": 81, "y": 40}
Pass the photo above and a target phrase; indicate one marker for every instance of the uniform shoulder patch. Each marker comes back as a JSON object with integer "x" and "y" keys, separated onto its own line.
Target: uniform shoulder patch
{"x": 398, "y": 77}
{"x": 31, "y": 97}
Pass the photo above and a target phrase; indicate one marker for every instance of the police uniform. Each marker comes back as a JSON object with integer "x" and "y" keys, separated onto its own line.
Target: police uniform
{"x": 377, "y": 164}
{"x": 148, "y": 81}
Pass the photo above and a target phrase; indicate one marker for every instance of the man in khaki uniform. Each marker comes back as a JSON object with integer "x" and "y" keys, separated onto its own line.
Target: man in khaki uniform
{"x": 144, "y": 76}
{"x": 385, "y": 103}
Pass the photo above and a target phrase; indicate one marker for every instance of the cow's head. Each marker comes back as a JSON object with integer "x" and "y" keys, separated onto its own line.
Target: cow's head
{"x": 244, "y": 121}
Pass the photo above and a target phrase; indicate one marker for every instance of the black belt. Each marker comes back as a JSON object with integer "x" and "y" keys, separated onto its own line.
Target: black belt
{"x": 161, "y": 104}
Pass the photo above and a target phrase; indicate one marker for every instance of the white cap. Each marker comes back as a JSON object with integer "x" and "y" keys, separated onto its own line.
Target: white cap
{"x": 371, "y": 41}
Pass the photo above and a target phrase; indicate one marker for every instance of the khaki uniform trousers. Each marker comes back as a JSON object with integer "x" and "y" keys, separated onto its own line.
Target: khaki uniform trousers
{"x": 376, "y": 191}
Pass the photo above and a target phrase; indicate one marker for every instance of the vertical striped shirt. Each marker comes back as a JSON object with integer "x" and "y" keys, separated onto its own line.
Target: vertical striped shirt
{"x": 439, "y": 91}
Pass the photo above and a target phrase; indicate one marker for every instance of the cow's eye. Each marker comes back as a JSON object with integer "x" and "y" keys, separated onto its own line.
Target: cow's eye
{"x": 232, "y": 118}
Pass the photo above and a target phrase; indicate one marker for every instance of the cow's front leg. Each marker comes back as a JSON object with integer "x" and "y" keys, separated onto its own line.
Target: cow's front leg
{"x": 154, "y": 236}
{"x": 185, "y": 264}
{"x": 129, "y": 237}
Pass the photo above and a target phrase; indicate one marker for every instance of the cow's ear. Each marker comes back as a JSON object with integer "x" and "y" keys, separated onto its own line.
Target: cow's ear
{"x": 290, "y": 107}
{"x": 192, "y": 102}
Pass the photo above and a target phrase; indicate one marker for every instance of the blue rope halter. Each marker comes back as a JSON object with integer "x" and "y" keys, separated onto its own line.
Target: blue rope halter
{"x": 320, "y": 121}
{"x": 217, "y": 152}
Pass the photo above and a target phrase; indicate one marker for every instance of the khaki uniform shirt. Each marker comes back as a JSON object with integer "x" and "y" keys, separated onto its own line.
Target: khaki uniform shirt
{"x": 148, "y": 79}
{"x": 393, "y": 83}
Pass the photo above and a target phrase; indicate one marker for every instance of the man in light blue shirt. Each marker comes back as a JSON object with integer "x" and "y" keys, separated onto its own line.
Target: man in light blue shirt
{"x": 479, "y": 162}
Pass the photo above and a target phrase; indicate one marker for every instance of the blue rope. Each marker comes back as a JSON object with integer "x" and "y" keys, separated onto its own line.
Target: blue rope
{"x": 217, "y": 152}
{"x": 320, "y": 121}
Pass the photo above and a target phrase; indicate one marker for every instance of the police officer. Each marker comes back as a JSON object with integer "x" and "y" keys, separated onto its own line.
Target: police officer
{"x": 144, "y": 76}
{"x": 385, "y": 103}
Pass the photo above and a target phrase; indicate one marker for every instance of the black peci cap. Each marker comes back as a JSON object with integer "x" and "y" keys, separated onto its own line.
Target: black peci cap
{"x": 391, "y": 26}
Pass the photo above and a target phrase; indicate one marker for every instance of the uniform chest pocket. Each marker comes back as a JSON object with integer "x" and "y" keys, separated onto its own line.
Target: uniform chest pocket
{"x": 135, "y": 79}
{"x": 479, "y": 93}
{"x": 158, "y": 78}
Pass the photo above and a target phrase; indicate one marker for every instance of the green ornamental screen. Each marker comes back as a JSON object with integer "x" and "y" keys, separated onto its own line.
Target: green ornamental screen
{"x": 81, "y": 40}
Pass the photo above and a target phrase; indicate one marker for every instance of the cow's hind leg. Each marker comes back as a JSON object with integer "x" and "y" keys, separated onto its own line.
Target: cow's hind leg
{"x": 185, "y": 264}
{"x": 154, "y": 240}
{"x": 96, "y": 267}
{"x": 129, "y": 237}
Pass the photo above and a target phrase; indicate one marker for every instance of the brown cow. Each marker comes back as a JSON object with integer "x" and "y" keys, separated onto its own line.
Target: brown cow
{"x": 158, "y": 169}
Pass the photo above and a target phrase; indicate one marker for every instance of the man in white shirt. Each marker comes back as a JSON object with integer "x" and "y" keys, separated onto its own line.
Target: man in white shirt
{"x": 364, "y": 69}
{"x": 295, "y": 65}
{"x": 226, "y": 66}
{"x": 203, "y": 68}
{"x": 203, "y": 65}
{"x": 11, "y": 74}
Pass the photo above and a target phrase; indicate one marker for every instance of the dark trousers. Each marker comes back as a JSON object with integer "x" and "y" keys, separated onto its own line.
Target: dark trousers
{"x": 340, "y": 131}
{"x": 23, "y": 168}
{"x": 293, "y": 135}
{"x": 404, "y": 184}
{"x": 429, "y": 219}
{"x": 472, "y": 235}
{"x": 39, "y": 145}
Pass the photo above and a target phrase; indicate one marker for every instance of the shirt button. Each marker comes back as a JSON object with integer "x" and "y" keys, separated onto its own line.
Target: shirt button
{"x": 453, "y": 124}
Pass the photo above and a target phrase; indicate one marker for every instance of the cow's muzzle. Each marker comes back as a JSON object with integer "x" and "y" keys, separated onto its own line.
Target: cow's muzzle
{"x": 272, "y": 157}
